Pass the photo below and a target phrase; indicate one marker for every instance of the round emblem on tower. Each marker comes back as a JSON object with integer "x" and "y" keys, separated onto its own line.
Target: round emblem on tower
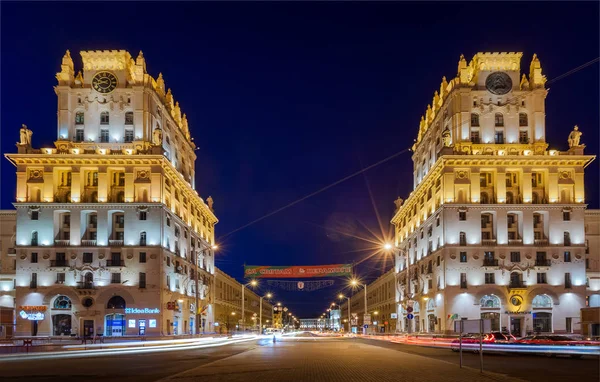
{"x": 104, "y": 82}
{"x": 498, "y": 83}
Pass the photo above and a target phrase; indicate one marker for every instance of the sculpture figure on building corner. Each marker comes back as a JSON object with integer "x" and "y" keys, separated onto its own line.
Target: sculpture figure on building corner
{"x": 25, "y": 136}
{"x": 398, "y": 202}
{"x": 157, "y": 136}
{"x": 574, "y": 137}
{"x": 210, "y": 202}
{"x": 446, "y": 138}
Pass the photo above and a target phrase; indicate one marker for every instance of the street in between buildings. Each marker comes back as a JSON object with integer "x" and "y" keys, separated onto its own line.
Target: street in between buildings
{"x": 304, "y": 358}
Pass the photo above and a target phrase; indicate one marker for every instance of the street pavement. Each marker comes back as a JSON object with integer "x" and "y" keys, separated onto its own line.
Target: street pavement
{"x": 301, "y": 358}
{"x": 316, "y": 359}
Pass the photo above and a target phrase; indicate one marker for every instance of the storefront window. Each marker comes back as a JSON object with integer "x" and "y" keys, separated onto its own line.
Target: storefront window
{"x": 61, "y": 324}
{"x": 114, "y": 325}
{"x": 542, "y": 322}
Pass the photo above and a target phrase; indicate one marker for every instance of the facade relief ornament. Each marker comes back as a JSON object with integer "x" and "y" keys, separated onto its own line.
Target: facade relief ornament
{"x": 157, "y": 136}
{"x": 446, "y": 137}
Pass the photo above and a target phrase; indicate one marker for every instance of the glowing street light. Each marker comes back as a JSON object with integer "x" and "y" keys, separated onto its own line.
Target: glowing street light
{"x": 252, "y": 283}
{"x": 268, "y": 296}
{"x": 387, "y": 246}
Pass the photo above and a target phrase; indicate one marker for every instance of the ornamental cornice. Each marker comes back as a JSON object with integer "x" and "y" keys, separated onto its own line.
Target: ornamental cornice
{"x": 83, "y": 159}
{"x": 512, "y": 207}
{"x": 545, "y": 160}
{"x": 94, "y": 206}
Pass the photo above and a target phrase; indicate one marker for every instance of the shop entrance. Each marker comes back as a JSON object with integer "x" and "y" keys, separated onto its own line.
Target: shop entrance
{"x": 88, "y": 328}
{"x": 61, "y": 324}
{"x": 142, "y": 327}
{"x": 515, "y": 326}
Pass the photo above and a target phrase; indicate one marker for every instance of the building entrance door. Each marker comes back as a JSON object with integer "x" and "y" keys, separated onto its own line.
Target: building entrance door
{"x": 88, "y": 328}
{"x": 515, "y": 326}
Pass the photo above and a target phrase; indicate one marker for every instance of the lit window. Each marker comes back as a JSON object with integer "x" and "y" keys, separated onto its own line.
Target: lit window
{"x": 104, "y": 118}
{"x": 499, "y": 120}
{"x": 129, "y": 118}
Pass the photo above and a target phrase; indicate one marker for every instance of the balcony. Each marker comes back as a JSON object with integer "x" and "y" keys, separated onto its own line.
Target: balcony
{"x": 62, "y": 243}
{"x": 541, "y": 242}
{"x": 115, "y": 263}
{"x": 490, "y": 262}
{"x": 85, "y": 285}
{"x": 59, "y": 263}
{"x": 515, "y": 242}
{"x": 543, "y": 262}
{"x": 13, "y": 251}
{"x": 115, "y": 243}
{"x": 517, "y": 285}
{"x": 488, "y": 242}
{"x": 89, "y": 243}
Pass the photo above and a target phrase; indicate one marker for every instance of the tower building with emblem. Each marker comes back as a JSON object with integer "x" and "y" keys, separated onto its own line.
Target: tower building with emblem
{"x": 494, "y": 227}
{"x": 112, "y": 237}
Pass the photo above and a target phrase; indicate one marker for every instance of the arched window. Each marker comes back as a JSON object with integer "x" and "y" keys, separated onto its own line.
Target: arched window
{"x": 79, "y": 118}
{"x": 142, "y": 238}
{"x": 129, "y": 118}
{"x": 499, "y": 120}
{"x": 416, "y": 307}
{"x": 430, "y": 304}
{"x": 463, "y": 238}
{"x": 474, "y": 119}
{"x": 88, "y": 280}
{"x": 542, "y": 301}
{"x": 62, "y": 302}
{"x": 489, "y": 301}
{"x": 523, "y": 119}
{"x": 104, "y": 118}
{"x": 116, "y": 302}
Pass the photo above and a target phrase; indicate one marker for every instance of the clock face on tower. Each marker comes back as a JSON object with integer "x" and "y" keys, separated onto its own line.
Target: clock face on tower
{"x": 498, "y": 83}
{"x": 104, "y": 82}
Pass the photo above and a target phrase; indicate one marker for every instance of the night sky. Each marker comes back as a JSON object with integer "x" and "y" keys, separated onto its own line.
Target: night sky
{"x": 285, "y": 98}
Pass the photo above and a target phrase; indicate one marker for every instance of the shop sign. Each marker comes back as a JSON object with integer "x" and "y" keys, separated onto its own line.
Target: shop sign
{"x": 152, "y": 323}
{"x": 367, "y": 319}
{"x": 516, "y": 312}
{"x": 131, "y": 324}
{"x": 142, "y": 311}
{"x": 394, "y": 315}
{"x": 32, "y": 312}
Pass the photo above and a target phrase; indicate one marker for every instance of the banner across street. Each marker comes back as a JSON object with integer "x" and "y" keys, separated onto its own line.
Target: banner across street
{"x": 269, "y": 272}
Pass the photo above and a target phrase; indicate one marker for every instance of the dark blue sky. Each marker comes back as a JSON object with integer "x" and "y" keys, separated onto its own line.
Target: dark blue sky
{"x": 284, "y": 98}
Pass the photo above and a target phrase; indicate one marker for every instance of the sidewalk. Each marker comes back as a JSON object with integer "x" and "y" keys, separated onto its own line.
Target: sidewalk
{"x": 340, "y": 360}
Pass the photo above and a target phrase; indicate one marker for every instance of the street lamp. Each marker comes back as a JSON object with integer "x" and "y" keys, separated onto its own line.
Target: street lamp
{"x": 197, "y": 273}
{"x": 268, "y": 296}
{"x": 253, "y": 283}
{"x": 355, "y": 282}
{"x": 341, "y": 296}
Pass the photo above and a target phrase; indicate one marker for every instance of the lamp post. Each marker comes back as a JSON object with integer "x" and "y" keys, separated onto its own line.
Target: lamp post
{"x": 341, "y": 296}
{"x": 268, "y": 295}
{"x": 253, "y": 283}
{"x": 355, "y": 283}
{"x": 197, "y": 312}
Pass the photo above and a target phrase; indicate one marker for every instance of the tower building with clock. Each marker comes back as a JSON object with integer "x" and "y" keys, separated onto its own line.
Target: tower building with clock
{"x": 494, "y": 226}
{"x": 112, "y": 237}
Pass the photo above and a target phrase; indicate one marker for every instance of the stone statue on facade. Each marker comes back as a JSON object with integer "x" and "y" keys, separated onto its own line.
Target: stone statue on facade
{"x": 25, "y": 136}
{"x": 210, "y": 202}
{"x": 446, "y": 138}
{"x": 574, "y": 137}
{"x": 398, "y": 202}
{"x": 157, "y": 136}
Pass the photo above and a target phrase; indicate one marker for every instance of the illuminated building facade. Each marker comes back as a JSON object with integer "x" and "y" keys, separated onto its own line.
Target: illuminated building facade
{"x": 494, "y": 227}
{"x": 112, "y": 237}
{"x": 228, "y": 305}
{"x": 7, "y": 272}
{"x": 592, "y": 257}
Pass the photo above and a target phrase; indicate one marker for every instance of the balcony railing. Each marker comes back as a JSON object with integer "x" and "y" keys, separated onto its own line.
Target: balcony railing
{"x": 59, "y": 263}
{"x": 543, "y": 262}
{"x": 517, "y": 285}
{"x": 115, "y": 243}
{"x": 515, "y": 242}
{"x": 115, "y": 263}
{"x": 490, "y": 262}
{"x": 62, "y": 243}
{"x": 89, "y": 243}
{"x": 488, "y": 242}
{"x": 540, "y": 242}
{"x": 85, "y": 285}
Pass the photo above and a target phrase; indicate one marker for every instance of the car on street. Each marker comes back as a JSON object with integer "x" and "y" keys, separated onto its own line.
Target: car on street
{"x": 472, "y": 339}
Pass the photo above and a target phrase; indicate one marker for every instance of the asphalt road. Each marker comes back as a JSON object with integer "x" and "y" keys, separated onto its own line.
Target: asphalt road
{"x": 528, "y": 367}
{"x": 311, "y": 357}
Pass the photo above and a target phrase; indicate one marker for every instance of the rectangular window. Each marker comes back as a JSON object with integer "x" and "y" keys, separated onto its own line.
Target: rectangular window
{"x": 475, "y": 136}
{"x": 567, "y": 280}
{"x": 463, "y": 280}
{"x": 34, "y": 258}
{"x": 142, "y": 215}
{"x": 566, "y": 216}
{"x": 567, "y": 257}
{"x": 129, "y": 118}
{"x": 142, "y": 257}
{"x": 429, "y": 284}
{"x": 569, "y": 324}
{"x": 115, "y": 278}
{"x": 515, "y": 257}
{"x": 438, "y": 261}
{"x": 541, "y": 278}
{"x": 463, "y": 257}
{"x": 104, "y": 136}
{"x": 35, "y": 215}
{"x": 587, "y": 263}
{"x": 168, "y": 282}
{"x": 142, "y": 280}
{"x": 104, "y": 118}
{"x": 499, "y": 137}
{"x": 60, "y": 278}
{"x": 128, "y": 135}
{"x": 79, "y": 135}
{"x": 168, "y": 261}
{"x": 523, "y": 137}
{"x": 168, "y": 221}
{"x": 490, "y": 278}
{"x": 462, "y": 215}
{"x": 88, "y": 258}
{"x": 33, "y": 283}
{"x": 437, "y": 221}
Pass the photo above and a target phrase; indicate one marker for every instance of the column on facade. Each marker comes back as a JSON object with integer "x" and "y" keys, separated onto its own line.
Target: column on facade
{"x": 102, "y": 184}
{"x": 526, "y": 185}
{"x": 129, "y": 197}
{"x": 76, "y": 182}
{"x": 49, "y": 181}
{"x": 475, "y": 194}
